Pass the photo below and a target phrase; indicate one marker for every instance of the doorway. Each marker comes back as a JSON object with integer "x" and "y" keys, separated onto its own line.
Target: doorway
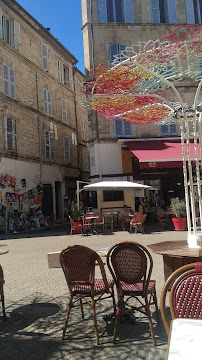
{"x": 58, "y": 199}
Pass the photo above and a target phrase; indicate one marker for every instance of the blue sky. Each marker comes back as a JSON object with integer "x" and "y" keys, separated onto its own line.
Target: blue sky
{"x": 63, "y": 17}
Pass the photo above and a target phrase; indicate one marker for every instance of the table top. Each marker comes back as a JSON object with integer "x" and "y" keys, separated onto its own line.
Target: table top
{"x": 3, "y": 251}
{"x": 184, "y": 339}
{"x": 175, "y": 248}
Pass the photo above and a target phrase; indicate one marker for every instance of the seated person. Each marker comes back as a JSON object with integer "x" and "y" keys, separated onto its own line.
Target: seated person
{"x": 124, "y": 217}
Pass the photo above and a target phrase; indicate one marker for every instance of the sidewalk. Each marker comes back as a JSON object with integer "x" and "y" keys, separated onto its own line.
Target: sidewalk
{"x": 36, "y": 299}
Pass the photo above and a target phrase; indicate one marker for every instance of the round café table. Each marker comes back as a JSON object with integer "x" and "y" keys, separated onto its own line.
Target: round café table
{"x": 175, "y": 254}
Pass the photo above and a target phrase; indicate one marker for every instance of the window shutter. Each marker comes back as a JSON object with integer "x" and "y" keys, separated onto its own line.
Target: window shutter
{"x": 127, "y": 128}
{"x": 164, "y": 130}
{"x": 10, "y": 133}
{"x": 16, "y": 35}
{"x": 45, "y": 57}
{"x": 113, "y": 50}
{"x": 1, "y": 34}
{"x": 118, "y": 130}
{"x": 66, "y": 143}
{"x": 49, "y": 103}
{"x": 85, "y": 160}
{"x": 189, "y": 7}
{"x": 83, "y": 130}
{"x": 64, "y": 110}
{"x": 128, "y": 11}
{"x": 102, "y": 11}
{"x": 155, "y": 14}
{"x": 71, "y": 84}
{"x": 45, "y": 105}
{"x": 12, "y": 83}
{"x": 59, "y": 67}
{"x": 47, "y": 144}
{"x": 5, "y": 71}
{"x": 172, "y": 13}
{"x": 52, "y": 155}
{"x": 15, "y": 134}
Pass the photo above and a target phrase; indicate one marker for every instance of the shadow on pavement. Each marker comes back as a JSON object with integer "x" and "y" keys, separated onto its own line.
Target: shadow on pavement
{"x": 33, "y": 331}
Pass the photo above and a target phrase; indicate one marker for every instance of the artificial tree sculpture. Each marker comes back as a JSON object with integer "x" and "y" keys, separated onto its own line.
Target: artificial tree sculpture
{"x": 134, "y": 88}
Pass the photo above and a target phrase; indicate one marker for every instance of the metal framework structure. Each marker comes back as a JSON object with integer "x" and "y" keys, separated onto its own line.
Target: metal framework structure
{"x": 134, "y": 89}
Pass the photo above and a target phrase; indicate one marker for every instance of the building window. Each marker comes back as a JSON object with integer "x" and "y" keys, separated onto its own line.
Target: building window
{"x": 10, "y": 133}
{"x": 49, "y": 144}
{"x": 115, "y": 49}
{"x": 109, "y": 195}
{"x": 45, "y": 56}
{"x": 47, "y": 102}
{"x": 10, "y": 31}
{"x": 163, "y": 11}
{"x": 68, "y": 77}
{"x": 85, "y": 160}
{"x": 166, "y": 130}
{"x": 84, "y": 130}
{"x": 66, "y": 146}
{"x": 122, "y": 128}
{"x": 64, "y": 111}
{"x": 8, "y": 74}
{"x": 65, "y": 75}
{"x": 115, "y": 11}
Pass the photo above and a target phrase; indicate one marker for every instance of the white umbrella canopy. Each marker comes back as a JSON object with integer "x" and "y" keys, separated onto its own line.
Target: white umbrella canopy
{"x": 115, "y": 185}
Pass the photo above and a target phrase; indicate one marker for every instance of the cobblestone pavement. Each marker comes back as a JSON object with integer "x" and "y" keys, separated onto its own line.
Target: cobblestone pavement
{"x": 36, "y": 299}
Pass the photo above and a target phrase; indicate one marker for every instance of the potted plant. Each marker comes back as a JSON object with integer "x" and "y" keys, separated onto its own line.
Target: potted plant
{"x": 179, "y": 210}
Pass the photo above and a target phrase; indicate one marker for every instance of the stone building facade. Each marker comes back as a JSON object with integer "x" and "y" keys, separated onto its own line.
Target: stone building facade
{"x": 43, "y": 132}
{"x": 108, "y": 26}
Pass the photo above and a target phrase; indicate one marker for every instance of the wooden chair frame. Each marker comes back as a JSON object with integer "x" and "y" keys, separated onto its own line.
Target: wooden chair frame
{"x": 134, "y": 282}
{"x": 178, "y": 277}
{"x": 2, "y": 291}
{"x": 83, "y": 287}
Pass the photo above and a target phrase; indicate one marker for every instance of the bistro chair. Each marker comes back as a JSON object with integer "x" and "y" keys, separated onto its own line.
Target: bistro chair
{"x": 99, "y": 222}
{"x": 137, "y": 222}
{"x": 76, "y": 227}
{"x": 2, "y": 291}
{"x": 78, "y": 264}
{"x": 131, "y": 265}
{"x": 87, "y": 223}
{"x": 185, "y": 299}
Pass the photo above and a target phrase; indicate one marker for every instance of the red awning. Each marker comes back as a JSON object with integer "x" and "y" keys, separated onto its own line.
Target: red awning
{"x": 159, "y": 154}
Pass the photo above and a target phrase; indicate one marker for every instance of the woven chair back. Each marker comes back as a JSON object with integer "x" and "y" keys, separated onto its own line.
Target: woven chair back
{"x": 78, "y": 264}
{"x": 186, "y": 296}
{"x": 129, "y": 262}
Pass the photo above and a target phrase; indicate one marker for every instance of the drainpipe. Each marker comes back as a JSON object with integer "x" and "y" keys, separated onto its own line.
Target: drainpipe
{"x": 39, "y": 130}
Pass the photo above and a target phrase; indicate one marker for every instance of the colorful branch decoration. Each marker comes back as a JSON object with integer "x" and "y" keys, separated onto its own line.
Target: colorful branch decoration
{"x": 124, "y": 90}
